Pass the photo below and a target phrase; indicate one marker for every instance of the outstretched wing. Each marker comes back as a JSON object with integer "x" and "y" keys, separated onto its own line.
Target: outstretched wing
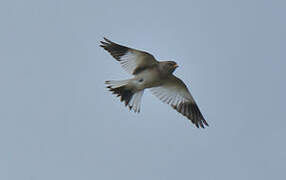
{"x": 174, "y": 92}
{"x": 132, "y": 60}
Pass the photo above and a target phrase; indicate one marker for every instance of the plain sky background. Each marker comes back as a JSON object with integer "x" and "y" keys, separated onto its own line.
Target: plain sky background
{"x": 58, "y": 121}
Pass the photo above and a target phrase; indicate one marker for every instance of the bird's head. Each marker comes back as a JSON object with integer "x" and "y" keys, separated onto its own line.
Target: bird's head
{"x": 168, "y": 67}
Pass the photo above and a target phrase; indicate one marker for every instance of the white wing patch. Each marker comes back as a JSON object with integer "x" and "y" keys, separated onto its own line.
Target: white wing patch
{"x": 129, "y": 61}
{"x": 172, "y": 95}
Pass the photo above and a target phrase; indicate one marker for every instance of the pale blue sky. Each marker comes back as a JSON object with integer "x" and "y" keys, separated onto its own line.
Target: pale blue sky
{"x": 57, "y": 120}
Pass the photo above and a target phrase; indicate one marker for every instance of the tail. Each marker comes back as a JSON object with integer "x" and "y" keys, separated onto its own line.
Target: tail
{"x": 127, "y": 95}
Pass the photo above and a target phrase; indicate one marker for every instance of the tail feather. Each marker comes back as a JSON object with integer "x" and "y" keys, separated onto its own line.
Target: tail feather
{"x": 136, "y": 101}
{"x": 127, "y": 95}
{"x": 116, "y": 84}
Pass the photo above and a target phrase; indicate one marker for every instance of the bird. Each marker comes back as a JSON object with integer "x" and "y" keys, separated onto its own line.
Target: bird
{"x": 152, "y": 74}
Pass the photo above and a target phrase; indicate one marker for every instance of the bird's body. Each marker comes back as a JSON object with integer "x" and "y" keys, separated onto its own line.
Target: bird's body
{"x": 155, "y": 75}
{"x": 146, "y": 79}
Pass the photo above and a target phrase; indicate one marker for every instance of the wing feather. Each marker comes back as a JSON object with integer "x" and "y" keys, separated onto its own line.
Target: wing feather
{"x": 131, "y": 60}
{"x": 174, "y": 92}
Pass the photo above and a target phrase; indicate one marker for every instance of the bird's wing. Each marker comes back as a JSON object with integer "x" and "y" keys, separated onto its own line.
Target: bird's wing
{"x": 132, "y": 60}
{"x": 174, "y": 92}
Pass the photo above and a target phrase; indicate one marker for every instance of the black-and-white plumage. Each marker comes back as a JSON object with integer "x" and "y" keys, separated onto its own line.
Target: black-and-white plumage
{"x": 153, "y": 74}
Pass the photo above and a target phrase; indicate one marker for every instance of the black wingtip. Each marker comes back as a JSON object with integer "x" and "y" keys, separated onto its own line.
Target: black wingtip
{"x": 104, "y": 43}
{"x": 116, "y": 50}
{"x": 107, "y": 40}
{"x": 197, "y": 125}
{"x": 205, "y": 122}
{"x": 192, "y": 113}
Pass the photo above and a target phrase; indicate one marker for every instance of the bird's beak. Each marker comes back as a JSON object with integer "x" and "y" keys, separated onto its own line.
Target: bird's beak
{"x": 176, "y": 65}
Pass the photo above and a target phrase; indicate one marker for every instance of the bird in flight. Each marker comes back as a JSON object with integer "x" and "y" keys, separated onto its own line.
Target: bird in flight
{"x": 154, "y": 75}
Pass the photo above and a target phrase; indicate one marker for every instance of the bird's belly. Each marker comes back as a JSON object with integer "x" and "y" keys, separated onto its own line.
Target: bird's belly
{"x": 147, "y": 79}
